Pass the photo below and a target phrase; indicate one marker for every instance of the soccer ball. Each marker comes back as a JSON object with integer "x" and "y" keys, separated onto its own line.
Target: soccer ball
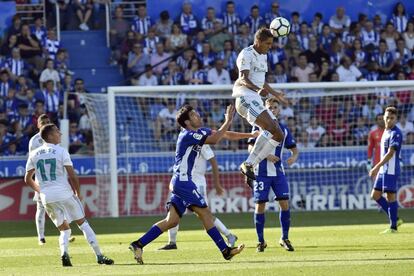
{"x": 279, "y": 27}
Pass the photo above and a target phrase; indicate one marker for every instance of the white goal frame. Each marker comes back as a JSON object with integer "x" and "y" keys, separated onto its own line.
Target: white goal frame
{"x": 114, "y": 91}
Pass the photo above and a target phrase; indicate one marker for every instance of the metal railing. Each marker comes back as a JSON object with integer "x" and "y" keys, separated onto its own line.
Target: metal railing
{"x": 57, "y": 20}
{"x": 28, "y": 12}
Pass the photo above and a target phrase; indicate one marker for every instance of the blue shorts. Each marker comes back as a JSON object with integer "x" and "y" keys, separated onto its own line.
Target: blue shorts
{"x": 386, "y": 183}
{"x": 185, "y": 195}
{"x": 263, "y": 184}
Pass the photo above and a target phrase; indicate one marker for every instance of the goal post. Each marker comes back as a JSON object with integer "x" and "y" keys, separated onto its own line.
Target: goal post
{"x": 133, "y": 162}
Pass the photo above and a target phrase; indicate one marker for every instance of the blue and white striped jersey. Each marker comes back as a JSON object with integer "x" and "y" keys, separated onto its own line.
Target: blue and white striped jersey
{"x": 267, "y": 168}
{"x": 391, "y": 138}
{"x": 189, "y": 145}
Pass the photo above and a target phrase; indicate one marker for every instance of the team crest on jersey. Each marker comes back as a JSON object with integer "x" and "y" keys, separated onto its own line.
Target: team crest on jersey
{"x": 197, "y": 136}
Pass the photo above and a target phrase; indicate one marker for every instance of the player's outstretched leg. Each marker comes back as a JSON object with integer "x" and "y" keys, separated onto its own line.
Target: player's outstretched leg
{"x": 172, "y": 239}
{"x": 259, "y": 222}
{"x": 64, "y": 243}
{"x": 392, "y": 213}
{"x": 231, "y": 238}
{"x": 155, "y": 231}
{"x": 40, "y": 222}
{"x": 206, "y": 218}
{"x": 284, "y": 218}
{"x": 91, "y": 238}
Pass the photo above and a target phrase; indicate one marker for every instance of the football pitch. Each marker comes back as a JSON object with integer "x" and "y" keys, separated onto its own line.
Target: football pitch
{"x": 326, "y": 243}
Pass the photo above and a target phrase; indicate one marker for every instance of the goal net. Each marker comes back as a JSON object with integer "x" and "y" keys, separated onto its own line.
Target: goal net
{"x": 135, "y": 135}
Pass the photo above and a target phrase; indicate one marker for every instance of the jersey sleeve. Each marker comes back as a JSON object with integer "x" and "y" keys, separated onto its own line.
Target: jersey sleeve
{"x": 396, "y": 140}
{"x": 290, "y": 142}
{"x": 66, "y": 158}
{"x": 206, "y": 152}
{"x": 29, "y": 164}
{"x": 244, "y": 60}
{"x": 251, "y": 141}
{"x": 198, "y": 137}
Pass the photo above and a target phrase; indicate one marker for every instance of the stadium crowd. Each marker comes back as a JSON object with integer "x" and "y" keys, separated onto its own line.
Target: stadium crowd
{"x": 35, "y": 73}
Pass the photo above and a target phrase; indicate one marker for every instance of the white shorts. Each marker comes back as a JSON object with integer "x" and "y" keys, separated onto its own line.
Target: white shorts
{"x": 200, "y": 182}
{"x": 250, "y": 107}
{"x": 69, "y": 209}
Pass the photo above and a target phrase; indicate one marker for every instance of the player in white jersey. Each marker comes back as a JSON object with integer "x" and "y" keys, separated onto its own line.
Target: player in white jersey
{"x": 199, "y": 179}
{"x": 248, "y": 90}
{"x": 35, "y": 142}
{"x": 52, "y": 165}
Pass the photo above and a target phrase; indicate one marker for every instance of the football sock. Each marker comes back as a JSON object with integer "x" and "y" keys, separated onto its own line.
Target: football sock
{"x": 259, "y": 221}
{"x": 90, "y": 236}
{"x": 221, "y": 227}
{"x": 217, "y": 238}
{"x": 284, "y": 217}
{"x": 383, "y": 203}
{"x": 40, "y": 220}
{"x": 64, "y": 241}
{"x": 264, "y": 141}
{"x": 151, "y": 235}
{"x": 393, "y": 214}
{"x": 172, "y": 234}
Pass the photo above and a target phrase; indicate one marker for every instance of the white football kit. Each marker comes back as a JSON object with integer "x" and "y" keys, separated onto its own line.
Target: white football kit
{"x": 249, "y": 104}
{"x": 56, "y": 194}
{"x": 200, "y": 168}
{"x": 34, "y": 143}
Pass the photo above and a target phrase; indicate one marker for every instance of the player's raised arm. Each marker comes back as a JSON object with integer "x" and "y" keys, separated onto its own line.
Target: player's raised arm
{"x": 234, "y": 136}
{"x": 28, "y": 179}
{"x": 295, "y": 154}
{"x": 219, "y": 134}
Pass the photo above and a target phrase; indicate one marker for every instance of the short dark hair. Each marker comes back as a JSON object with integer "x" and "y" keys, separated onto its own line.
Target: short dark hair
{"x": 262, "y": 34}
{"x": 43, "y": 119}
{"x": 46, "y": 130}
{"x": 392, "y": 110}
{"x": 183, "y": 115}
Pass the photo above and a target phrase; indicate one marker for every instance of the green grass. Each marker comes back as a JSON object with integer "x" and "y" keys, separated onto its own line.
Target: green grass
{"x": 326, "y": 243}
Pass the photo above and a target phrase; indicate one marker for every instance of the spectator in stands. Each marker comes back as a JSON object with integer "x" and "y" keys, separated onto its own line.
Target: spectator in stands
{"x": 38, "y": 110}
{"x": 158, "y": 56}
{"x": 304, "y": 111}
{"x": 52, "y": 44}
{"x": 21, "y": 87}
{"x": 371, "y": 109}
{"x": 340, "y": 21}
{"x": 401, "y": 55}
{"x": 231, "y": 19}
{"x": 276, "y": 55}
{"x": 164, "y": 25}
{"x": 325, "y": 111}
{"x": 16, "y": 26}
{"x": 358, "y": 55}
{"x": 404, "y": 125}
{"x": 229, "y": 57}
{"x": 337, "y": 52}
{"x": 197, "y": 42}
{"x": 403, "y": 97}
{"x": 384, "y": 60}
{"x": 254, "y": 20}
{"x": 324, "y": 73}
{"x": 360, "y": 132}
{"x": 377, "y": 21}
{"x": 172, "y": 74}
{"x": 185, "y": 59}
{"x": 303, "y": 140}
{"x": 65, "y": 11}
{"x": 215, "y": 114}
{"x": 148, "y": 78}
{"x": 372, "y": 71}
{"x": 303, "y": 69}
{"x": 24, "y": 119}
{"x": 207, "y": 23}
{"x": 326, "y": 38}
{"x": 349, "y": 37}
{"x": 137, "y": 60}
{"x": 83, "y": 10}
{"x": 5, "y": 136}
{"x": 390, "y": 36}
{"x": 84, "y": 121}
{"x": 347, "y": 71}
{"x": 51, "y": 98}
{"x": 207, "y": 57}
{"x": 410, "y": 138}
{"x": 188, "y": 21}
{"x": 142, "y": 23}
{"x": 16, "y": 66}
{"x": 8, "y": 46}
{"x": 339, "y": 130}
{"x": 315, "y": 131}
{"x": 120, "y": 55}
{"x": 280, "y": 75}
{"x": 165, "y": 127}
{"x": 274, "y": 12}
{"x": 50, "y": 73}
{"x": 219, "y": 37}
{"x": 10, "y": 102}
{"x": 62, "y": 63}
{"x": 408, "y": 36}
{"x": 369, "y": 37}
{"x": 195, "y": 74}
{"x": 39, "y": 30}
{"x": 303, "y": 36}
{"x": 217, "y": 74}
{"x": 292, "y": 49}
{"x": 118, "y": 31}
{"x": 295, "y": 21}
{"x": 12, "y": 150}
{"x": 177, "y": 40}
{"x": 150, "y": 42}
{"x": 76, "y": 139}
{"x": 411, "y": 73}
{"x": 399, "y": 17}
{"x": 314, "y": 54}
{"x": 317, "y": 24}
{"x": 286, "y": 112}
{"x": 30, "y": 48}
{"x": 243, "y": 38}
